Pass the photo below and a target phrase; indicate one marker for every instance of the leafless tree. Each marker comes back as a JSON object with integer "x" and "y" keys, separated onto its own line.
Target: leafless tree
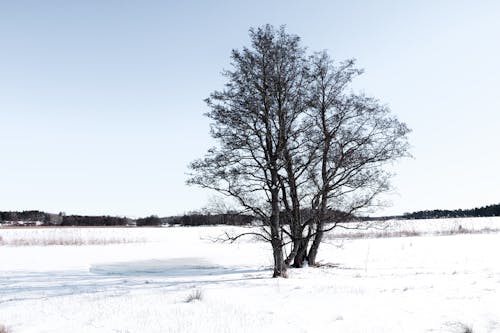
{"x": 357, "y": 136}
{"x": 253, "y": 119}
{"x": 296, "y": 148}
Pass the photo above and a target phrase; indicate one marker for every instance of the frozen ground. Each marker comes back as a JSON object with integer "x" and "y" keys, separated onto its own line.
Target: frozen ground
{"x": 138, "y": 280}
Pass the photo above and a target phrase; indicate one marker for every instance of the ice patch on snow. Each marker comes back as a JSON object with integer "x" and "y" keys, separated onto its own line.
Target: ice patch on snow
{"x": 163, "y": 267}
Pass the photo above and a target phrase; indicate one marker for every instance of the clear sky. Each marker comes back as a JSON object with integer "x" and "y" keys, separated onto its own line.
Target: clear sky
{"x": 101, "y": 102}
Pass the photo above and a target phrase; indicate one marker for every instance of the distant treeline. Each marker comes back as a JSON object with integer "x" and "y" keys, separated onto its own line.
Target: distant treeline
{"x": 491, "y": 210}
{"x": 32, "y": 216}
{"x": 209, "y": 219}
{"x": 35, "y": 217}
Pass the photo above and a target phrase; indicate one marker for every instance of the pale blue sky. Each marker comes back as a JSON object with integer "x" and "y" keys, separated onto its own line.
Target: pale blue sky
{"x": 101, "y": 102}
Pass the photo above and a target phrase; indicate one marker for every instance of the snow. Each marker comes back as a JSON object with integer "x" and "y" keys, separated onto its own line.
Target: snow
{"x": 138, "y": 280}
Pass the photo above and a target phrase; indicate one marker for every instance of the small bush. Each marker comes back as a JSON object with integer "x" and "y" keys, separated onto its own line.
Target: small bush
{"x": 196, "y": 295}
{"x": 4, "y": 329}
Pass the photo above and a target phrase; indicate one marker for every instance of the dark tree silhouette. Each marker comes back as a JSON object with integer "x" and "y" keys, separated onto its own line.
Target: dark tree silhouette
{"x": 294, "y": 148}
{"x": 356, "y": 137}
{"x": 253, "y": 119}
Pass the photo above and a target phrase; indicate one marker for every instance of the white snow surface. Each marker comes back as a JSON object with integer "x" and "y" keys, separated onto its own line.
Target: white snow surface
{"x": 138, "y": 280}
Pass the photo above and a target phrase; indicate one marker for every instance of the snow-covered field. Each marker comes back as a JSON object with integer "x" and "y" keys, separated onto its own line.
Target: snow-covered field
{"x": 139, "y": 280}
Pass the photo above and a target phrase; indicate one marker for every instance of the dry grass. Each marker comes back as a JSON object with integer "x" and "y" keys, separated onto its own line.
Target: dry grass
{"x": 65, "y": 241}
{"x": 196, "y": 295}
{"x": 409, "y": 233}
{"x": 376, "y": 234}
{"x": 460, "y": 231}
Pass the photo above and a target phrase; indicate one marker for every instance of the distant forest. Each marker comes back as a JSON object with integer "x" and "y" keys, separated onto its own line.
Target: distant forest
{"x": 35, "y": 217}
{"x": 491, "y": 210}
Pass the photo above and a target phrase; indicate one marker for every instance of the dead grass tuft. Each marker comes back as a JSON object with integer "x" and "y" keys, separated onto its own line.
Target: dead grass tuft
{"x": 196, "y": 295}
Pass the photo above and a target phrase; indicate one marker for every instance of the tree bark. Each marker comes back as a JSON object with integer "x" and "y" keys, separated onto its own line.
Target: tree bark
{"x": 276, "y": 239}
{"x": 313, "y": 251}
{"x": 279, "y": 263}
{"x": 301, "y": 255}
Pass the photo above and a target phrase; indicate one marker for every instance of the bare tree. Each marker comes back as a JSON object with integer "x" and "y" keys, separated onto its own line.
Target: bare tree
{"x": 296, "y": 148}
{"x": 253, "y": 119}
{"x": 333, "y": 167}
{"x": 357, "y": 137}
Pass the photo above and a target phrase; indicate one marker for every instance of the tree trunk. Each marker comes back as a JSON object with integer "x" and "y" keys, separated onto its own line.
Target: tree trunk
{"x": 298, "y": 253}
{"x": 313, "y": 251}
{"x": 301, "y": 254}
{"x": 293, "y": 253}
{"x": 276, "y": 240}
{"x": 279, "y": 263}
